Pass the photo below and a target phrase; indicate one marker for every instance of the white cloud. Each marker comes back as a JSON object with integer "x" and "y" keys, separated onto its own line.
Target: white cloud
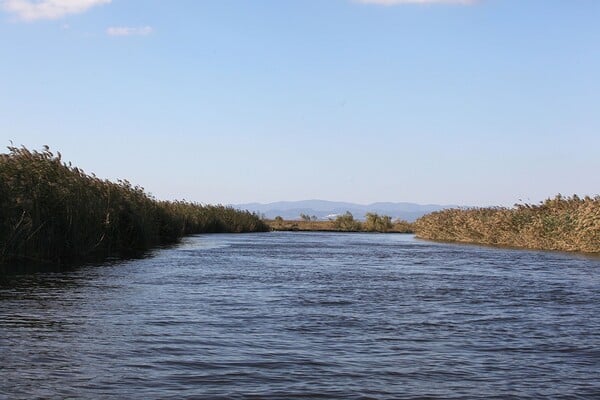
{"x": 32, "y": 10}
{"x": 396, "y": 2}
{"x": 129, "y": 31}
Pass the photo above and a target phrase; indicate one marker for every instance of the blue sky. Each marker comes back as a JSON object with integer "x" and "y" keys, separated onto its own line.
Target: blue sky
{"x": 220, "y": 101}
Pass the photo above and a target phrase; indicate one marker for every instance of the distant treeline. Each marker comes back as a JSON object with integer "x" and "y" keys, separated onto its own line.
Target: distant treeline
{"x": 53, "y": 212}
{"x": 344, "y": 223}
{"x": 561, "y": 223}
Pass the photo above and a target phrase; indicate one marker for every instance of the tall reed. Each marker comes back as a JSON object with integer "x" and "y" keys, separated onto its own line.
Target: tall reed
{"x": 53, "y": 212}
{"x": 561, "y": 223}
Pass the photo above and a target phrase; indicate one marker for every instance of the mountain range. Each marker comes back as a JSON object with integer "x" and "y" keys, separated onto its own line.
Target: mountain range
{"x": 324, "y": 209}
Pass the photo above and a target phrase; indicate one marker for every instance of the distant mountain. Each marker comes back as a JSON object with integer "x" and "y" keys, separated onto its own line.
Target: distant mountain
{"x": 324, "y": 209}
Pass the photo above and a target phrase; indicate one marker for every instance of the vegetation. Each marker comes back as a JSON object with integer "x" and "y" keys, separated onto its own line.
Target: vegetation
{"x": 53, "y": 212}
{"x": 343, "y": 223}
{"x": 402, "y": 226}
{"x": 346, "y": 222}
{"x": 306, "y": 217}
{"x": 377, "y": 223}
{"x": 561, "y": 223}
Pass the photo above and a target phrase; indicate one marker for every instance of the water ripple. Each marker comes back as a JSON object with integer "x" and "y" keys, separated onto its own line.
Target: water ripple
{"x": 307, "y": 316}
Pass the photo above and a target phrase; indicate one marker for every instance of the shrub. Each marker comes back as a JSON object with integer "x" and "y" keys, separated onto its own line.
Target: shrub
{"x": 377, "y": 223}
{"x": 346, "y": 222}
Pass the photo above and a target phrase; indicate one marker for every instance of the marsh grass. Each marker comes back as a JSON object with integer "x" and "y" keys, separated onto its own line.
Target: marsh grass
{"x": 561, "y": 223}
{"x": 53, "y": 212}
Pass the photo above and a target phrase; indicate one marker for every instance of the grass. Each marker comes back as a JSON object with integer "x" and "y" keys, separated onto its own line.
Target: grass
{"x": 561, "y": 223}
{"x": 53, "y": 212}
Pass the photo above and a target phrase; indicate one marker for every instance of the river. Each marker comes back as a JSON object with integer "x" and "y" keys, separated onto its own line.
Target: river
{"x": 307, "y": 315}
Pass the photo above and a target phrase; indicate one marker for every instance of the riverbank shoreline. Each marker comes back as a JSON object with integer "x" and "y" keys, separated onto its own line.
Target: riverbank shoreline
{"x": 52, "y": 212}
{"x": 568, "y": 224}
{"x": 329, "y": 226}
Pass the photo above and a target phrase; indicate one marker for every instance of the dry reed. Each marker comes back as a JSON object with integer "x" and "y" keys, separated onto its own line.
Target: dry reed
{"x": 561, "y": 223}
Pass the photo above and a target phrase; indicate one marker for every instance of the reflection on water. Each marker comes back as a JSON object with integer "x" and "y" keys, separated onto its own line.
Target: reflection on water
{"x": 306, "y": 315}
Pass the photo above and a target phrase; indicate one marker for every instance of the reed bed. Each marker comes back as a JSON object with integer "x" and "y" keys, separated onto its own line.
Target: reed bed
{"x": 53, "y": 212}
{"x": 560, "y": 223}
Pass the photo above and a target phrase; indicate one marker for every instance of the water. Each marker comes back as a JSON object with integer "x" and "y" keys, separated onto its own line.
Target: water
{"x": 307, "y": 315}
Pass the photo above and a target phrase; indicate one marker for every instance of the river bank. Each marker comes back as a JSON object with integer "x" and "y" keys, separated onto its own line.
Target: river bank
{"x": 561, "y": 223}
{"x": 331, "y": 226}
{"x": 54, "y": 213}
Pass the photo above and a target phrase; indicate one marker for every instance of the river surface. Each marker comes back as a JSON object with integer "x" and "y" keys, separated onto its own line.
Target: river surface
{"x": 307, "y": 315}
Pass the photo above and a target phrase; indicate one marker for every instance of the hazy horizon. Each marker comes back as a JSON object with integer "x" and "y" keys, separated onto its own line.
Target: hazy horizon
{"x": 478, "y": 103}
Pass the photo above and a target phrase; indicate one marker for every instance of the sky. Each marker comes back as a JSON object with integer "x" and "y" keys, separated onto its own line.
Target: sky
{"x": 470, "y": 102}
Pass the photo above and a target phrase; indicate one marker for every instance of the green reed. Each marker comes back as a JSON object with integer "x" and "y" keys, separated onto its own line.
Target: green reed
{"x": 53, "y": 212}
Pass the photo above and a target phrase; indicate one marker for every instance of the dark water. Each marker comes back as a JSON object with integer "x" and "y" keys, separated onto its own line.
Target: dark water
{"x": 307, "y": 315}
